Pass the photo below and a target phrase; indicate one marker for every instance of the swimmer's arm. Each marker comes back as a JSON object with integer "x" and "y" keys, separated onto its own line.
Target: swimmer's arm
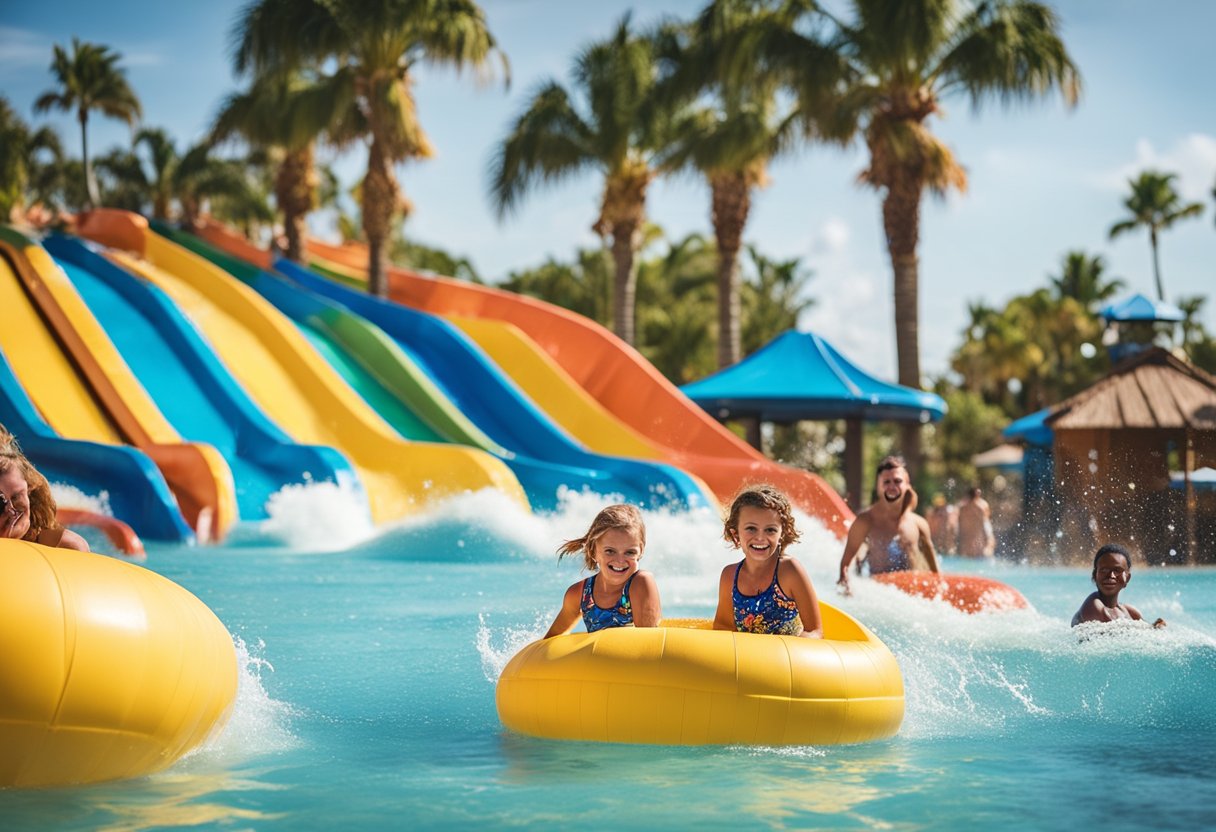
{"x": 569, "y": 612}
{"x": 644, "y": 598}
{"x": 724, "y": 617}
{"x": 71, "y": 540}
{"x": 797, "y": 582}
{"x": 858, "y": 533}
{"x": 1136, "y": 616}
{"x": 926, "y": 544}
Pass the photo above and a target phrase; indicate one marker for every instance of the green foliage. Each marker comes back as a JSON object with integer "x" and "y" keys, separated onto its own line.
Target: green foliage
{"x": 425, "y": 258}
{"x": 970, "y": 426}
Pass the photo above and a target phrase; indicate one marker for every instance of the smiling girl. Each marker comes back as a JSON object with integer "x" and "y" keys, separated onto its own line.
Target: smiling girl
{"x": 618, "y": 594}
{"x": 766, "y": 592}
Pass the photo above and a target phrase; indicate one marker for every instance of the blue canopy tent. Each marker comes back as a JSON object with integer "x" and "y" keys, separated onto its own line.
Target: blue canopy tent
{"x": 799, "y": 375}
{"x": 1142, "y": 308}
{"x": 1142, "y": 313}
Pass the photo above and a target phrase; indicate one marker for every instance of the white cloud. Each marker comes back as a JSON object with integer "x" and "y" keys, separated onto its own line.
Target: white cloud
{"x": 1192, "y": 158}
{"x": 23, "y": 48}
{"x": 832, "y": 238}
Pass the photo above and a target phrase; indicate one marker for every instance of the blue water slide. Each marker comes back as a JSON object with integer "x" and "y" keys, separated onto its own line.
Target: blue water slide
{"x": 492, "y": 400}
{"x": 137, "y": 492}
{"x": 188, "y": 383}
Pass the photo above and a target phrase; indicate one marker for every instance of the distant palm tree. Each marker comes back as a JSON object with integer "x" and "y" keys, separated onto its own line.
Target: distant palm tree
{"x": 605, "y": 123}
{"x": 1155, "y": 205}
{"x": 898, "y": 59}
{"x": 286, "y": 114}
{"x": 1081, "y": 278}
{"x": 89, "y": 79}
{"x": 19, "y": 144}
{"x": 374, "y": 47}
{"x": 730, "y": 142}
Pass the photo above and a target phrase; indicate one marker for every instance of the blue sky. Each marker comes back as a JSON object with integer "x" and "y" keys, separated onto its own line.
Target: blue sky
{"x": 1043, "y": 180}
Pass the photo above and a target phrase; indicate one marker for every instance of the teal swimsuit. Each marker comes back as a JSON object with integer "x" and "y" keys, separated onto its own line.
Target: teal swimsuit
{"x": 772, "y": 611}
{"x": 598, "y": 618}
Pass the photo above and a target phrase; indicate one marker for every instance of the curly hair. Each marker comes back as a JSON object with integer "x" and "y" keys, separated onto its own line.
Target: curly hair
{"x": 42, "y": 502}
{"x": 620, "y": 516}
{"x": 767, "y": 497}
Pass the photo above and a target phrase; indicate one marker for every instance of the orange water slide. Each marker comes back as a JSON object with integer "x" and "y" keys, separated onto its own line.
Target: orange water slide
{"x": 611, "y": 371}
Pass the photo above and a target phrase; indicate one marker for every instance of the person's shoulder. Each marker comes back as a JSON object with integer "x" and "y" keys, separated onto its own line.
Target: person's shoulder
{"x": 71, "y": 540}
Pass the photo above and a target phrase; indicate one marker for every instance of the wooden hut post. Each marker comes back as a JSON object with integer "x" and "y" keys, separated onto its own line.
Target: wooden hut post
{"x": 1188, "y": 465}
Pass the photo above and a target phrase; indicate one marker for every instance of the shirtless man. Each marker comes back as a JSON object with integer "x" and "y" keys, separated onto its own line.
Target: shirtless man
{"x": 896, "y": 537}
{"x": 975, "y": 535}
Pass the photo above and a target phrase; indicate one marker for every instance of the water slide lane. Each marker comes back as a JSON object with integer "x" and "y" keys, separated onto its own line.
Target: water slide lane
{"x": 136, "y": 490}
{"x": 196, "y": 473}
{"x": 294, "y": 385}
{"x": 391, "y": 381}
{"x": 481, "y": 391}
{"x": 193, "y": 390}
{"x": 614, "y": 374}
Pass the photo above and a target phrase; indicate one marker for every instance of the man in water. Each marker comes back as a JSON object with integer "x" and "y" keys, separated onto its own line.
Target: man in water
{"x": 975, "y": 536}
{"x": 896, "y": 537}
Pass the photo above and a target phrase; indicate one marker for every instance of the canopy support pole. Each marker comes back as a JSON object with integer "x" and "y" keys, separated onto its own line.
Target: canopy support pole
{"x": 853, "y": 449}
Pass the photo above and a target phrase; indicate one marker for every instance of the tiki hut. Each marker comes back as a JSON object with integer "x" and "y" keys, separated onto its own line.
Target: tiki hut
{"x": 1116, "y": 444}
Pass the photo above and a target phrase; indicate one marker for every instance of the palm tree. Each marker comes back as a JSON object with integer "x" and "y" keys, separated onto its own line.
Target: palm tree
{"x": 1155, "y": 205}
{"x": 1081, "y": 278}
{"x": 899, "y": 59}
{"x": 285, "y": 114}
{"x": 609, "y": 126}
{"x": 730, "y": 142}
{"x": 374, "y": 46}
{"x": 90, "y": 79}
{"x": 19, "y": 145}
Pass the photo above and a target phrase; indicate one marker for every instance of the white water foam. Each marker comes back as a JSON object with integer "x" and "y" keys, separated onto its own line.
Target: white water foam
{"x": 310, "y": 517}
{"x": 69, "y": 496}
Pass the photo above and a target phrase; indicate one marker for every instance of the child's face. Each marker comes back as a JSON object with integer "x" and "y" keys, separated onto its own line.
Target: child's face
{"x": 1112, "y": 573}
{"x": 617, "y": 552}
{"x": 759, "y": 532}
{"x": 17, "y": 506}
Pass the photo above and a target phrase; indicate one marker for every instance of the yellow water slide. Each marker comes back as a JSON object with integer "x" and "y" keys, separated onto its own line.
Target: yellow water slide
{"x": 80, "y": 384}
{"x": 292, "y": 383}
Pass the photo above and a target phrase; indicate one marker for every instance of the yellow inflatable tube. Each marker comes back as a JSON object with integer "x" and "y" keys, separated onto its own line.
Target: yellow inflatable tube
{"x": 685, "y": 684}
{"x": 107, "y": 670}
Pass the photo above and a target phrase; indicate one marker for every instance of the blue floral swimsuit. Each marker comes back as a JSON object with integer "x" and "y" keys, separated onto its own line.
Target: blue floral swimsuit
{"x": 598, "y": 618}
{"x": 772, "y": 611}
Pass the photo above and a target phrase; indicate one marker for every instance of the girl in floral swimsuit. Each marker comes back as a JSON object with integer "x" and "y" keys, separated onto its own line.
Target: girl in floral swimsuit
{"x": 618, "y": 594}
{"x": 766, "y": 592}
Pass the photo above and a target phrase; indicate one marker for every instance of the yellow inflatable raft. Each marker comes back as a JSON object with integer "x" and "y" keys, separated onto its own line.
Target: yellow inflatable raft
{"x": 107, "y": 669}
{"x": 686, "y": 684}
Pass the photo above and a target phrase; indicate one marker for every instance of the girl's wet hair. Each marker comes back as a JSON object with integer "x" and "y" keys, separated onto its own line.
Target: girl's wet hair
{"x": 1111, "y": 549}
{"x": 767, "y": 497}
{"x": 42, "y": 503}
{"x": 624, "y": 517}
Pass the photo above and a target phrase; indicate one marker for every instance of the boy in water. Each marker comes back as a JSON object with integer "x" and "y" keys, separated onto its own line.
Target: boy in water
{"x": 896, "y": 537}
{"x": 1112, "y": 572}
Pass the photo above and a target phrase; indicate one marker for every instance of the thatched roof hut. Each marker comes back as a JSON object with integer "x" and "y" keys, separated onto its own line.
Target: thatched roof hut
{"x": 1117, "y": 442}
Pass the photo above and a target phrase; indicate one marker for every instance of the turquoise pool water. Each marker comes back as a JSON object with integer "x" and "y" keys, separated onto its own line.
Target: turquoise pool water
{"x": 369, "y": 663}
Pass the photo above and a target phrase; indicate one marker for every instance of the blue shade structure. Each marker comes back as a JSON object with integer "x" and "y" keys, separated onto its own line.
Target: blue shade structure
{"x": 1142, "y": 308}
{"x": 799, "y": 375}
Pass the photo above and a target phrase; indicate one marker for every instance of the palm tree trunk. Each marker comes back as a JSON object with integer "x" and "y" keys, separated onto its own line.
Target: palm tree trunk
{"x": 379, "y": 204}
{"x": 731, "y": 203}
{"x": 294, "y": 193}
{"x": 624, "y": 287}
{"x": 901, "y": 222}
{"x": 90, "y": 181}
{"x": 1152, "y": 236}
